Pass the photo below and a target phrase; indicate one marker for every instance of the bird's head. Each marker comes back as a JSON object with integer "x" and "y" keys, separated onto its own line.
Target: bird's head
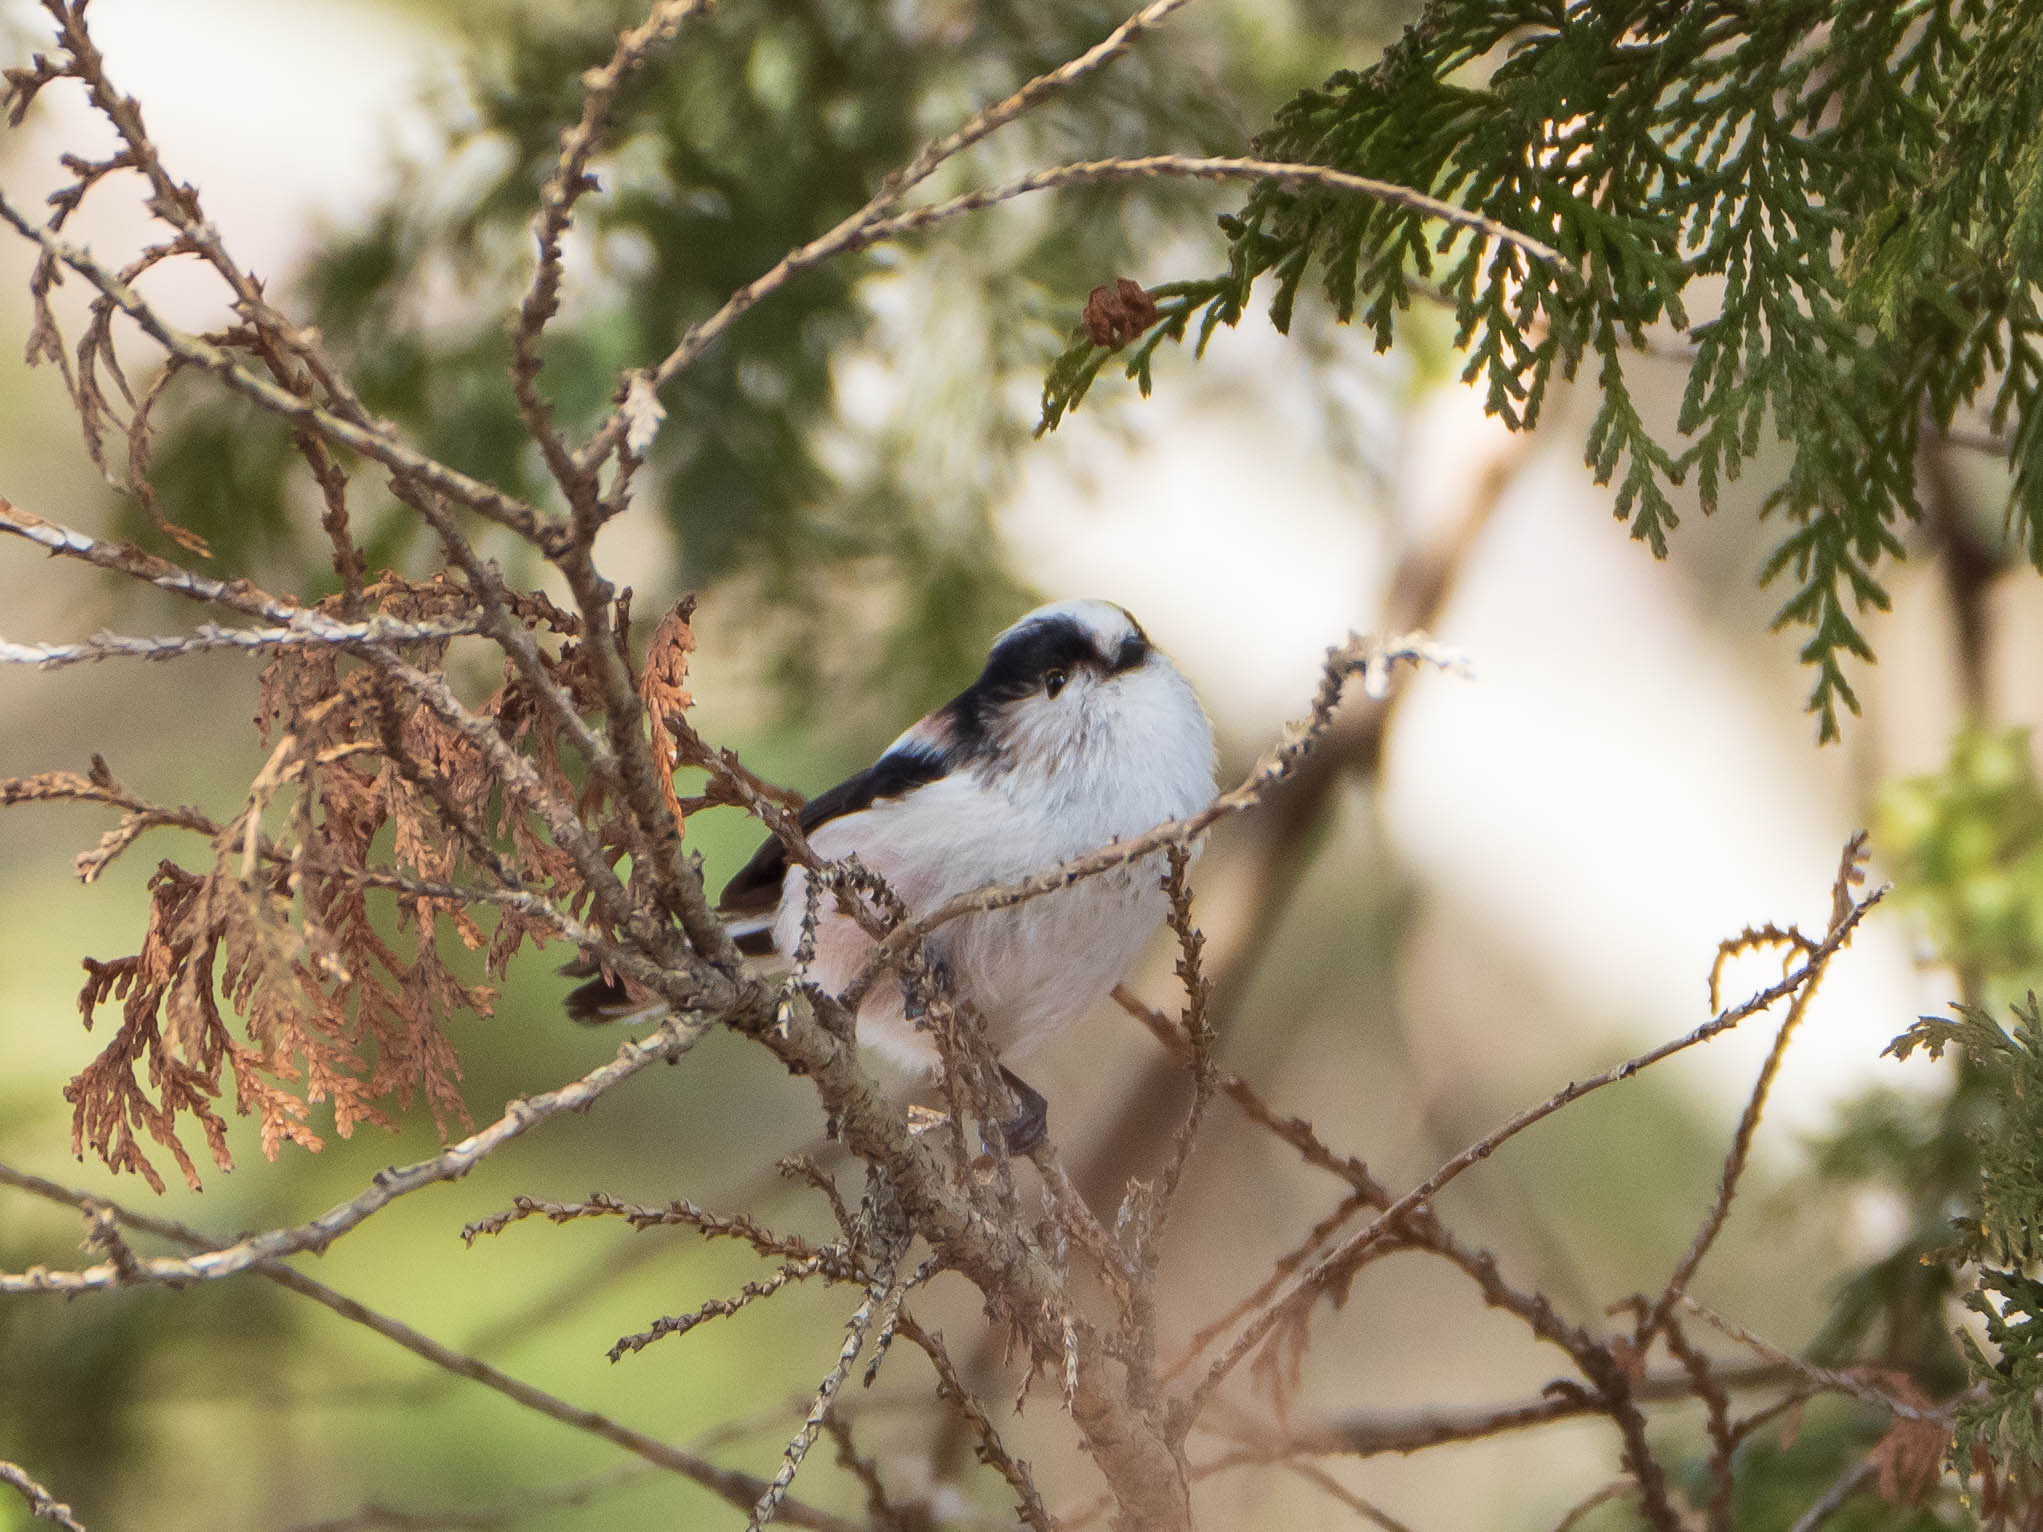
{"x": 1077, "y": 686}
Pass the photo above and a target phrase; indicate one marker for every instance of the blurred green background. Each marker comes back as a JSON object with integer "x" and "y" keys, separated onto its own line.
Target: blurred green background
{"x": 1527, "y": 888}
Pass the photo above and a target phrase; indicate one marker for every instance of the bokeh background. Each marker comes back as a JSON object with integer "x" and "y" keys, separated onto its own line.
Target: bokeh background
{"x": 1526, "y": 884}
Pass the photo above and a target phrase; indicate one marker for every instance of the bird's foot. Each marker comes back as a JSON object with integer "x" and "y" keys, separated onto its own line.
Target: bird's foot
{"x": 1023, "y": 1133}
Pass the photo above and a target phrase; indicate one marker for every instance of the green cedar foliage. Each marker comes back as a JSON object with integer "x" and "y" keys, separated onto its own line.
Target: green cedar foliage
{"x": 2002, "y": 1233}
{"x": 1837, "y": 203}
{"x": 1966, "y": 847}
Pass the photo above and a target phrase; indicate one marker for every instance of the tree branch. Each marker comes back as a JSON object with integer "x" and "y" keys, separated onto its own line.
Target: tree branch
{"x": 42, "y": 1505}
{"x": 845, "y": 236}
{"x": 668, "y": 1042}
{"x": 1199, "y": 168}
{"x": 738, "y": 1489}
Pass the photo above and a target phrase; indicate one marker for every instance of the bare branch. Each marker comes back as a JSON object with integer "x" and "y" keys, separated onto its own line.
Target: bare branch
{"x": 376, "y": 443}
{"x": 845, "y": 236}
{"x": 739, "y": 1489}
{"x": 375, "y": 1516}
{"x": 1832, "y": 1500}
{"x": 1195, "y": 167}
{"x": 1603, "y": 1494}
{"x": 1295, "y": 1131}
{"x": 1198, "y": 1030}
{"x": 308, "y": 628}
{"x": 669, "y": 1041}
{"x": 125, "y": 558}
{"x": 1827, "y": 1379}
{"x": 1330, "y": 1269}
{"x": 992, "y": 1452}
{"x": 1850, "y": 873}
{"x": 678, "y": 1212}
{"x": 718, "y": 1308}
{"x": 557, "y": 199}
{"x": 42, "y": 1505}
{"x": 1328, "y": 1485}
{"x": 855, "y": 1333}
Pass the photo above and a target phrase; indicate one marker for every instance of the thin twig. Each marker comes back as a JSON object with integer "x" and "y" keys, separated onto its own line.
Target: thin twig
{"x": 557, "y": 199}
{"x": 125, "y": 558}
{"x": 375, "y": 443}
{"x": 527, "y": 1504}
{"x": 679, "y": 1212}
{"x": 1849, "y": 874}
{"x": 845, "y": 236}
{"x": 1295, "y": 1131}
{"x": 1328, "y": 1485}
{"x": 739, "y": 1489}
{"x": 1196, "y": 167}
{"x": 1829, "y": 1379}
{"x": 669, "y": 1041}
{"x": 42, "y": 1505}
{"x": 308, "y": 630}
{"x": 856, "y": 1330}
{"x": 717, "y": 1308}
{"x": 1330, "y": 1268}
{"x": 1375, "y": 1433}
{"x": 1832, "y": 1500}
{"x": 951, "y": 1389}
{"x": 1717, "y": 1415}
{"x": 1616, "y": 1489}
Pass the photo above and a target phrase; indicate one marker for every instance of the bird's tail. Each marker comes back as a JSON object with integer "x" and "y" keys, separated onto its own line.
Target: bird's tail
{"x": 606, "y": 998}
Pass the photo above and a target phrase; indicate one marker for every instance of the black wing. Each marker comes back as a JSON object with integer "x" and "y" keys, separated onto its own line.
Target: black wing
{"x": 755, "y": 891}
{"x": 756, "y": 888}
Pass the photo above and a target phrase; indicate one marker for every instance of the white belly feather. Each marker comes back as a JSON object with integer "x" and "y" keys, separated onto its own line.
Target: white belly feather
{"x": 1030, "y": 968}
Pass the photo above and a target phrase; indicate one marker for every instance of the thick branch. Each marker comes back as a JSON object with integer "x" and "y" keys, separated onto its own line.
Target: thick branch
{"x": 1142, "y": 1463}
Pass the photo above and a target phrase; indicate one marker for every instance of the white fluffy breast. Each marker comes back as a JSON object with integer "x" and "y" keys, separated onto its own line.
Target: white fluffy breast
{"x": 1122, "y": 754}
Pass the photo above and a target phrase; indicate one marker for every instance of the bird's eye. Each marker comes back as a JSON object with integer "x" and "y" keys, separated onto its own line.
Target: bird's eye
{"x": 1053, "y": 681}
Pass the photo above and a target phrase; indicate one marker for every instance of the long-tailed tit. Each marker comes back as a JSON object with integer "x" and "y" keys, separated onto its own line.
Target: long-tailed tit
{"x": 1078, "y": 732}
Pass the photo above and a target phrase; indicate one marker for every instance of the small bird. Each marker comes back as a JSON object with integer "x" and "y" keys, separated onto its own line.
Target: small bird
{"x": 1078, "y": 732}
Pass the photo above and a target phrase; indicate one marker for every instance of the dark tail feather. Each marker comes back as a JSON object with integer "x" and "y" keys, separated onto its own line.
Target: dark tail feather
{"x": 604, "y": 1000}
{"x": 754, "y": 937}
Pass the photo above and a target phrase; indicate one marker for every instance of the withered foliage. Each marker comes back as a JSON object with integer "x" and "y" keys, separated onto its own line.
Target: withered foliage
{"x": 324, "y": 914}
{"x": 662, "y": 688}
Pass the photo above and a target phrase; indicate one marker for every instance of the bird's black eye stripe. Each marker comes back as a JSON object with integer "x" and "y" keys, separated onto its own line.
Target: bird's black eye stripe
{"x": 1027, "y": 656}
{"x": 1038, "y": 658}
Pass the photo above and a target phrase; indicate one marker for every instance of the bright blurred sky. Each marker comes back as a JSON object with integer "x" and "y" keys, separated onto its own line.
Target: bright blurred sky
{"x": 283, "y": 115}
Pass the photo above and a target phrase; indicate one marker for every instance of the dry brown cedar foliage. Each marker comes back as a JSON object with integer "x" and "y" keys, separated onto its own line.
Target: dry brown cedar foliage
{"x": 331, "y": 956}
